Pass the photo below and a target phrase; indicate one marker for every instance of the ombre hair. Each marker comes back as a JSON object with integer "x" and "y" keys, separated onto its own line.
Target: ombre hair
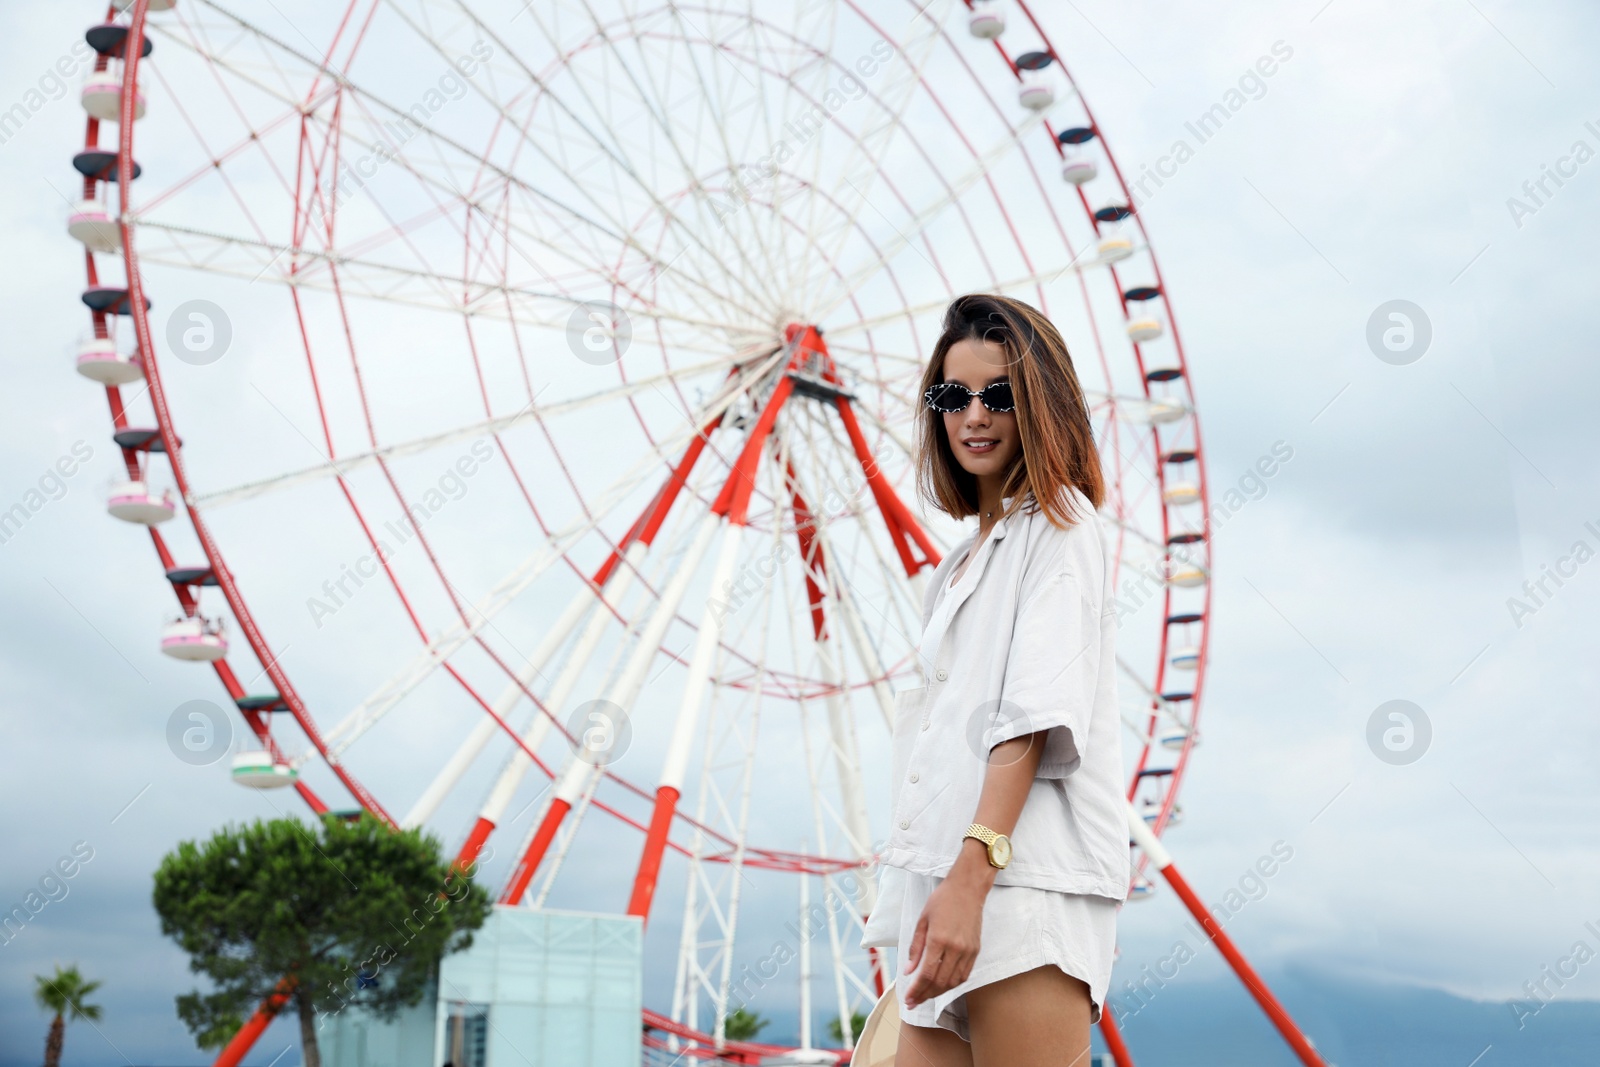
{"x": 1058, "y": 448}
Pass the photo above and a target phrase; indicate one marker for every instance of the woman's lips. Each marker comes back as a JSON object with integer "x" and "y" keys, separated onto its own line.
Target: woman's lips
{"x": 980, "y": 444}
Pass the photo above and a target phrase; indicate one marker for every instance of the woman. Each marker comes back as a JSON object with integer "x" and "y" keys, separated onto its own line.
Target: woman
{"x": 1007, "y": 860}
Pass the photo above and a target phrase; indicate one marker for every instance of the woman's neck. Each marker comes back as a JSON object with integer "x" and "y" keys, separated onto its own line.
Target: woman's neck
{"x": 991, "y": 502}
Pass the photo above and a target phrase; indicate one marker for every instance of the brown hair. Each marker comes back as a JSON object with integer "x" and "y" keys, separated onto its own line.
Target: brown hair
{"x": 1058, "y": 448}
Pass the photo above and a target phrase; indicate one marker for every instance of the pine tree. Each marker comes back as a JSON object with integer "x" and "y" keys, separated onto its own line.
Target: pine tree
{"x": 358, "y": 914}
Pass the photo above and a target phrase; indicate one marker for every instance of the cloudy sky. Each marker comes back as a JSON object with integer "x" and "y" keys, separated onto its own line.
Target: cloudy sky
{"x": 1397, "y": 154}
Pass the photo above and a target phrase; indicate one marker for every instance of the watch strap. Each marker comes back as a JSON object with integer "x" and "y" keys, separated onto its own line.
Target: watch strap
{"x": 989, "y": 838}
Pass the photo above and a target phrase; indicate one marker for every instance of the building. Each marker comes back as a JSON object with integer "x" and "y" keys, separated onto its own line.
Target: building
{"x": 535, "y": 987}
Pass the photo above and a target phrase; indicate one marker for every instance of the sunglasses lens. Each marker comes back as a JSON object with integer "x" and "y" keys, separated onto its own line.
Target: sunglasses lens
{"x": 998, "y": 397}
{"x": 949, "y": 397}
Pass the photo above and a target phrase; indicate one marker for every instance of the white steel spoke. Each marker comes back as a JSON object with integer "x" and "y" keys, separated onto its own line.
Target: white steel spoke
{"x": 250, "y": 258}
{"x": 613, "y": 229}
{"x": 357, "y": 460}
{"x": 347, "y": 87}
{"x": 439, "y": 650}
{"x": 484, "y": 731}
{"x": 605, "y": 146}
{"x": 931, "y": 212}
{"x": 517, "y": 761}
{"x": 862, "y": 168}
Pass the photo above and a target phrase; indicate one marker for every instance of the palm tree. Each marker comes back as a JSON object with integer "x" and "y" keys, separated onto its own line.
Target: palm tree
{"x": 63, "y": 996}
{"x": 858, "y": 1023}
{"x": 742, "y": 1025}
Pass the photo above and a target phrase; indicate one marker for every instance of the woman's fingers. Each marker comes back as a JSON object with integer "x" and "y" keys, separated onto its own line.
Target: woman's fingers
{"x": 944, "y": 968}
{"x": 915, "y": 952}
{"x": 923, "y": 985}
{"x": 968, "y": 959}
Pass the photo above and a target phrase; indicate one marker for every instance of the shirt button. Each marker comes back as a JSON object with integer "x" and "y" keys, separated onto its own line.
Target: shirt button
{"x": 924, "y": 724}
{"x": 941, "y": 674}
{"x": 904, "y": 824}
{"x": 913, "y": 776}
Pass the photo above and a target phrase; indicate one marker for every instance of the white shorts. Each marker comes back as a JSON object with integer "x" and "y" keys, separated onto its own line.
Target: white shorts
{"x": 1023, "y": 928}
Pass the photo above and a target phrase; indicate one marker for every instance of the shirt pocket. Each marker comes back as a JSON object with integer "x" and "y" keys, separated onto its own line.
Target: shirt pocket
{"x": 908, "y": 714}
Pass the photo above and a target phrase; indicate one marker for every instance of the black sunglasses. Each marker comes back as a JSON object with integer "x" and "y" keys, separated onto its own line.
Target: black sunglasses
{"x": 950, "y": 398}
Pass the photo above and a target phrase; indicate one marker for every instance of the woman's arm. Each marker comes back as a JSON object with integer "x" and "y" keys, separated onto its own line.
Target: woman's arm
{"x": 949, "y": 930}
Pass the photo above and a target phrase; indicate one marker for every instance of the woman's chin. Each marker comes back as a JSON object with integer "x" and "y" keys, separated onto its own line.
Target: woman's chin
{"x": 980, "y": 466}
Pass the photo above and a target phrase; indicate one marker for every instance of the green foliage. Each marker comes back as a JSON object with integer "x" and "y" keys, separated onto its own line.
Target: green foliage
{"x": 62, "y": 994}
{"x": 858, "y": 1023}
{"x": 742, "y": 1025}
{"x": 213, "y": 1018}
{"x": 357, "y": 914}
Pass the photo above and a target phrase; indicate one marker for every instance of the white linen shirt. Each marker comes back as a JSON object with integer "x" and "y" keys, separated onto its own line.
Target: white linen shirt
{"x": 1029, "y": 644}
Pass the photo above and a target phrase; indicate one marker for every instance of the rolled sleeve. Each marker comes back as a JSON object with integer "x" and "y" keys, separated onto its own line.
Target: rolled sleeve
{"x": 1051, "y": 674}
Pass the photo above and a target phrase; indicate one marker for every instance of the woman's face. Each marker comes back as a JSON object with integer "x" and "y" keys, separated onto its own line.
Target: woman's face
{"x": 984, "y": 442}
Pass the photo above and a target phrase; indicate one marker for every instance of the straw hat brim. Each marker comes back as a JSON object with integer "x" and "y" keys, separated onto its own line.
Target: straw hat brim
{"x": 880, "y": 1037}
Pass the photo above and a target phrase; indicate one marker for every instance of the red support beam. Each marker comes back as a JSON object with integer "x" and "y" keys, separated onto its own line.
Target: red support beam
{"x": 903, "y": 526}
{"x": 644, "y": 883}
{"x": 643, "y": 530}
{"x": 257, "y": 1024}
{"x": 733, "y": 503}
{"x": 535, "y": 852}
{"x": 648, "y": 524}
{"x": 1152, "y": 847}
{"x": 1113, "y": 1036}
{"x": 811, "y": 558}
{"x": 474, "y": 843}
{"x": 1258, "y": 989}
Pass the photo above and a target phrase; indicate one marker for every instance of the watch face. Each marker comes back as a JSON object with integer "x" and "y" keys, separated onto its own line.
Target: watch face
{"x": 1002, "y": 850}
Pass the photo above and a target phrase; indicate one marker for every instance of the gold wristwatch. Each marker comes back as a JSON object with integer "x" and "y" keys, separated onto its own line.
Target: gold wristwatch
{"x": 999, "y": 845}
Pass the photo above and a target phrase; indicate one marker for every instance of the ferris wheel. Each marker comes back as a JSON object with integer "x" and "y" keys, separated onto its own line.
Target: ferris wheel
{"x": 548, "y": 369}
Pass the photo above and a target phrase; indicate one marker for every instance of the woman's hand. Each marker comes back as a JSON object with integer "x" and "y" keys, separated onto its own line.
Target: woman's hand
{"x": 947, "y": 937}
{"x": 945, "y": 942}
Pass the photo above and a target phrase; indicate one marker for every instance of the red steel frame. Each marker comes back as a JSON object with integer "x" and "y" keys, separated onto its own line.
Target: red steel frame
{"x": 1146, "y": 839}
{"x": 733, "y": 502}
{"x": 218, "y": 570}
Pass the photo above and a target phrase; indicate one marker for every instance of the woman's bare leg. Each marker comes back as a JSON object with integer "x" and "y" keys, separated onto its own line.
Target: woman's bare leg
{"x": 930, "y": 1046}
{"x": 1039, "y": 1018}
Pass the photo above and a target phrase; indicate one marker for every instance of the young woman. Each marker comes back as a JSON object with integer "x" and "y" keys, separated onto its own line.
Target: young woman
{"x": 1007, "y": 860}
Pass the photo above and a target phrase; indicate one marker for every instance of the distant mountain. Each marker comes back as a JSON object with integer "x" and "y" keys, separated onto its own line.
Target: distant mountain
{"x": 1357, "y": 1024}
{"x": 1353, "y": 1023}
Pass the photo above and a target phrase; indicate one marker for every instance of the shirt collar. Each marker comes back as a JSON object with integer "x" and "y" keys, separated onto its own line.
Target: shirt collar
{"x": 1000, "y": 523}
{"x": 995, "y": 534}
